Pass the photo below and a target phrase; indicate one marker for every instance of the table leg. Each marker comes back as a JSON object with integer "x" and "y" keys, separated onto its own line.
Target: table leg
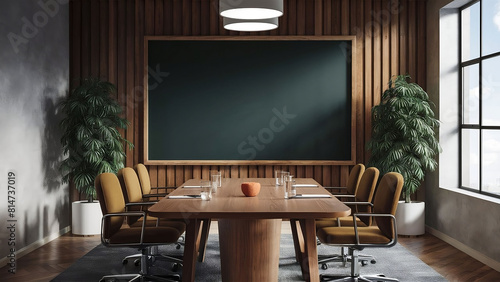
{"x": 190, "y": 250}
{"x": 249, "y": 249}
{"x": 305, "y": 248}
{"x": 298, "y": 239}
{"x": 205, "y": 229}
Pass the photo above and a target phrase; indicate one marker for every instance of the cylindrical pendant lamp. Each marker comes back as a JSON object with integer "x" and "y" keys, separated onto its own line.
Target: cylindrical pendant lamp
{"x": 251, "y": 9}
{"x": 250, "y": 25}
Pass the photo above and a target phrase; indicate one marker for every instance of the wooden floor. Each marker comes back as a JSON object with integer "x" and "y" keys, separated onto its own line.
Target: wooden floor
{"x": 49, "y": 260}
{"x": 448, "y": 261}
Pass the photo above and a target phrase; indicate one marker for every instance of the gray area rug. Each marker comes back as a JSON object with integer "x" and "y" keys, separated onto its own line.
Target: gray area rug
{"x": 396, "y": 262}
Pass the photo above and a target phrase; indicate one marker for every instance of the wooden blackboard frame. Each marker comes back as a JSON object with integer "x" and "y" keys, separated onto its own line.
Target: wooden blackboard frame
{"x": 252, "y": 162}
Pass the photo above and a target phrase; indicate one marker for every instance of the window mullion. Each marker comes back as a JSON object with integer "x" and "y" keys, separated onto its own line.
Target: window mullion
{"x": 480, "y": 96}
{"x": 461, "y": 101}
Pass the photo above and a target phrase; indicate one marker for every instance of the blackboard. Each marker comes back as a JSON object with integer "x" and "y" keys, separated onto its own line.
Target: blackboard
{"x": 249, "y": 100}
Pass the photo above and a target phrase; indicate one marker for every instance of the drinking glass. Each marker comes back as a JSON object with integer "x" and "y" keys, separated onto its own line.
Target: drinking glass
{"x": 277, "y": 176}
{"x": 214, "y": 183}
{"x": 206, "y": 191}
{"x": 290, "y": 190}
{"x": 218, "y": 175}
{"x": 284, "y": 175}
{"x": 280, "y": 176}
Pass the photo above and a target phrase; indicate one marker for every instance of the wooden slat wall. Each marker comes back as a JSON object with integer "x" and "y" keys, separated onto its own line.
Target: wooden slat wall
{"x": 107, "y": 41}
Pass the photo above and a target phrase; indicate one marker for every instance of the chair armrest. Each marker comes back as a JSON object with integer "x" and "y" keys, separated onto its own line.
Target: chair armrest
{"x": 157, "y": 188}
{"x": 355, "y": 215}
{"x": 131, "y": 213}
{"x": 343, "y": 195}
{"x": 354, "y": 204}
{"x": 393, "y": 218}
{"x": 141, "y": 204}
{"x": 359, "y": 203}
{"x": 154, "y": 195}
{"x": 334, "y": 187}
{"x": 126, "y": 213}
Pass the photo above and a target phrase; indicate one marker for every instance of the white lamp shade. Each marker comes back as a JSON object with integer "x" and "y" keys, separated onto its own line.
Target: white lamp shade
{"x": 251, "y": 9}
{"x": 250, "y": 25}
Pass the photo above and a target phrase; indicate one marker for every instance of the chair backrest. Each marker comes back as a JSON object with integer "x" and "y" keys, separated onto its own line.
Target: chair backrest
{"x": 386, "y": 201}
{"x": 131, "y": 190}
{"x": 366, "y": 189}
{"x": 354, "y": 178}
{"x": 143, "y": 174}
{"x": 109, "y": 193}
{"x": 130, "y": 185}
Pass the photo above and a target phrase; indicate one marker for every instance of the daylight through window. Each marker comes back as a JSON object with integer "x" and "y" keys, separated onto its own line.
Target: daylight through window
{"x": 480, "y": 97}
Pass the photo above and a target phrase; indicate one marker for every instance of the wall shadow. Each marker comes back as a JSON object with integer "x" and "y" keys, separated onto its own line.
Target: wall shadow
{"x": 52, "y": 151}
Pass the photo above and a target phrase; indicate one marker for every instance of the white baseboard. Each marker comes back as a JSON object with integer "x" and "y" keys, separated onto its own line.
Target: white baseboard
{"x": 33, "y": 246}
{"x": 464, "y": 248}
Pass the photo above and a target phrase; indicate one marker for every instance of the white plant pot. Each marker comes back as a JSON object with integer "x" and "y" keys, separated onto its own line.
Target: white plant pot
{"x": 86, "y": 218}
{"x": 410, "y": 218}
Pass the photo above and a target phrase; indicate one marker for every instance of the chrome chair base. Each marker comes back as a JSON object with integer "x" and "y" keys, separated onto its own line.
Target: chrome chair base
{"x": 355, "y": 276}
{"x": 147, "y": 258}
{"x": 367, "y": 278}
{"x": 344, "y": 258}
{"x": 154, "y": 254}
{"x": 139, "y": 277}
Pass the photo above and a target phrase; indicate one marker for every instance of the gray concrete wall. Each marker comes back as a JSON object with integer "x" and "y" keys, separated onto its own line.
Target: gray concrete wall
{"x": 468, "y": 220}
{"x": 34, "y": 76}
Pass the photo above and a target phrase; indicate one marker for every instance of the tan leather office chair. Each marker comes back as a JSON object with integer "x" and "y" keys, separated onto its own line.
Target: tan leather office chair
{"x": 115, "y": 234}
{"x": 352, "y": 185}
{"x": 362, "y": 204}
{"x": 136, "y": 202}
{"x": 352, "y": 182}
{"x": 145, "y": 181}
{"x": 383, "y": 234}
{"x": 149, "y": 192}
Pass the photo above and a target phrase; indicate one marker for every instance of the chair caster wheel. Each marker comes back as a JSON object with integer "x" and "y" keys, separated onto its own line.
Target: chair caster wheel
{"x": 324, "y": 266}
{"x": 137, "y": 262}
{"x": 124, "y": 261}
{"x": 373, "y": 261}
{"x": 178, "y": 246}
{"x": 175, "y": 267}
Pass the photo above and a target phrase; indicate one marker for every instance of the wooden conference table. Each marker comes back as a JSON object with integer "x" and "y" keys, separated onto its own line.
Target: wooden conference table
{"x": 250, "y": 227}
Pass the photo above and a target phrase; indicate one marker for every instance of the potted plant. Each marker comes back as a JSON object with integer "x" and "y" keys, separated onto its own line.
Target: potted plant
{"x": 92, "y": 145}
{"x": 404, "y": 140}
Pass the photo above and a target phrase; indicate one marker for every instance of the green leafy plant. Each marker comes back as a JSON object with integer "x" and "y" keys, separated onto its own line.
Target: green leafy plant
{"x": 403, "y": 137}
{"x": 90, "y": 134}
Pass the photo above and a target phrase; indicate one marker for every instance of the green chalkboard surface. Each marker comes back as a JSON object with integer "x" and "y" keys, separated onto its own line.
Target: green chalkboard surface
{"x": 249, "y": 100}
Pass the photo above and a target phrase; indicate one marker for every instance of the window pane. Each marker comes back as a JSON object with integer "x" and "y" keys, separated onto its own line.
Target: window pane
{"x": 491, "y": 26}
{"x": 470, "y": 158}
{"x": 470, "y": 88}
{"x": 491, "y": 92}
{"x": 491, "y": 161}
{"x": 470, "y": 32}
